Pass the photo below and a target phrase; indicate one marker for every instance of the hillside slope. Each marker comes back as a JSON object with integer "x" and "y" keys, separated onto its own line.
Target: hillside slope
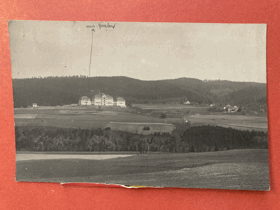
{"x": 253, "y": 98}
{"x": 67, "y": 90}
{"x": 53, "y": 91}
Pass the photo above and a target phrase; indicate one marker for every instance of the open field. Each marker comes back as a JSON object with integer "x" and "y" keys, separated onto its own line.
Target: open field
{"x": 138, "y": 128}
{"x": 84, "y": 118}
{"x": 243, "y": 122}
{"x": 167, "y": 107}
{"x": 90, "y": 117}
{"x": 234, "y": 169}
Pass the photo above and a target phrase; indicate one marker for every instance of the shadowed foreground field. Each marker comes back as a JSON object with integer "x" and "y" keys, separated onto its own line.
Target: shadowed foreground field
{"x": 234, "y": 169}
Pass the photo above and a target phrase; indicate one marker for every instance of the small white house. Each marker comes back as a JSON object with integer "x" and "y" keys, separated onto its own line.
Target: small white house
{"x": 121, "y": 102}
{"x": 34, "y": 105}
{"x": 187, "y": 102}
{"x": 231, "y": 109}
{"x": 84, "y": 100}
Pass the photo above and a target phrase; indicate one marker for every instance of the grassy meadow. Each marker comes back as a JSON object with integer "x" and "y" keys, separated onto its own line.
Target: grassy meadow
{"x": 88, "y": 117}
{"x": 243, "y": 169}
{"x": 242, "y": 122}
{"x": 234, "y": 169}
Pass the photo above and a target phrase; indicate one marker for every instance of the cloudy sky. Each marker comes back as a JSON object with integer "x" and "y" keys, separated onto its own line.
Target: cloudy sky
{"x": 146, "y": 51}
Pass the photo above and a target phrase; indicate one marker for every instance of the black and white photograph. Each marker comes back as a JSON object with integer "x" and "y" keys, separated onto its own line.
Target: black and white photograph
{"x": 140, "y": 103}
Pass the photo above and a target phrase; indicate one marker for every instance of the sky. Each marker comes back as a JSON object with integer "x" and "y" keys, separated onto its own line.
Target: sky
{"x": 146, "y": 51}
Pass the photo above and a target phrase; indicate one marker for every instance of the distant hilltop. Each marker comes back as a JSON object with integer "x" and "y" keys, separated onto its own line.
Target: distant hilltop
{"x": 53, "y": 91}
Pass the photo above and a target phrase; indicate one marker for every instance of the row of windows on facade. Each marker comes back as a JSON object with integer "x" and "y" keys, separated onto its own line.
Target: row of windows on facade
{"x": 102, "y": 100}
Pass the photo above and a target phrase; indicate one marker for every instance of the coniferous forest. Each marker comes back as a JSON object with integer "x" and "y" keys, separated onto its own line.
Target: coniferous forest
{"x": 193, "y": 139}
{"x": 53, "y": 91}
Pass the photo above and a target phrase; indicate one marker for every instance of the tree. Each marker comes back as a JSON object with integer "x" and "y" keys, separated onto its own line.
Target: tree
{"x": 216, "y": 147}
{"x": 163, "y": 115}
{"x": 97, "y": 141}
{"x": 128, "y": 103}
{"x": 90, "y": 144}
{"x": 192, "y": 148}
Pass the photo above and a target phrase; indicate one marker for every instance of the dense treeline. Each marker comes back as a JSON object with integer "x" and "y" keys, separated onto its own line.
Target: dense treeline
{"x": 208, "y": 138}
{"x": 250, "y": 95}
{"x": 52, "y": 91}
{"x": 193, "y": 139}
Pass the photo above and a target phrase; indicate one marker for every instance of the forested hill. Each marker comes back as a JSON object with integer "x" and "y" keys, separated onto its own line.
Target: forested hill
{"x": 53, "y": 91}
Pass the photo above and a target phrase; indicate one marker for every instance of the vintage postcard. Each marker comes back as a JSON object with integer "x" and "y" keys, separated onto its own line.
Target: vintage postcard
{"x": 146, "y": 104}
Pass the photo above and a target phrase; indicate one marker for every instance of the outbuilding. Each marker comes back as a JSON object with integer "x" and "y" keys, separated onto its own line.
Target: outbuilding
{"x": 84, "y": 100}
{"x": 121, "y": 102}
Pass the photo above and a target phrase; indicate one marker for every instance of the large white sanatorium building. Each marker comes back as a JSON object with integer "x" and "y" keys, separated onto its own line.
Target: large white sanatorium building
{"x": 102, "y": 100}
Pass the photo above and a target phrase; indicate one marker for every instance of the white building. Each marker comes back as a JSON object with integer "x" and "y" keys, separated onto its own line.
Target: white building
{"x": 84, "y": 100}
{"x": 102, "y": 99}
{"x": 97, "y": 100}
{"x": 121, "y": 102}
{"x": 230, "y": 108}
{"x": 34, "y": 105}
{"x": 107, "y": 100}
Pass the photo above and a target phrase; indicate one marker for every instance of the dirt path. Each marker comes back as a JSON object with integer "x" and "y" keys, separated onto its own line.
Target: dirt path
{"x": 23, "y": 157}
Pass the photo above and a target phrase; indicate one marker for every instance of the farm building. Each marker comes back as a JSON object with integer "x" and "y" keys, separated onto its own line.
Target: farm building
{"x": 230, "y": 108}
{"x": 84, "y": 100}
{"x": 141, "y": 128}
{"x": 227, "y": 106}
{"x": 34, "y": 105}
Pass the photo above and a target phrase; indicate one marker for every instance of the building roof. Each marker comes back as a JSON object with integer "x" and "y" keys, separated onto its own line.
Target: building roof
{"x": 108, "y": 97}
{"x": 233, "y": 107}
{"x": 120, "y": 99}
{"x": 84, "y": 98}
{"x": 97, "y": 96}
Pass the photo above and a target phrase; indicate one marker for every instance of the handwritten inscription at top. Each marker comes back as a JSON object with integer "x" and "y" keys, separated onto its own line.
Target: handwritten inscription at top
{"x": 103, "y": 26}
{"x": 108, "y": 25}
